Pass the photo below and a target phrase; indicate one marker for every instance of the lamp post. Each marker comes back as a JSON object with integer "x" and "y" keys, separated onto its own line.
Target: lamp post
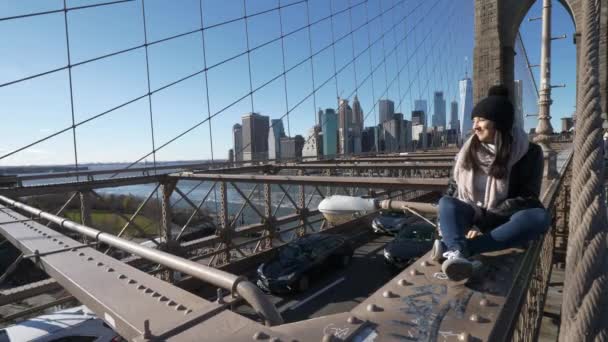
{"x": 544, "y": 128}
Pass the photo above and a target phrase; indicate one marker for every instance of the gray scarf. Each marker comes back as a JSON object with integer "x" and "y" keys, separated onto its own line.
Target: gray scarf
{"x": 497, "y": 190}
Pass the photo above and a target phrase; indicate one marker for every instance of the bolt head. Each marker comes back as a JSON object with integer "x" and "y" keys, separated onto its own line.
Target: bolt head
{"x": 484, "y": 302}
{"x": 353, "y": 320}
{"x": 388, "y": 294}
{"x": 424, "y": 263}
{"x": 403, "y": 282}
{"x": 463, "y": 336}
{"x": 372, "y": 307}
{"x": 414, "y": 272}
{"x": 474, "y": 318}
{"x": 328, "y": 338}
{"x": 260, "y": 335}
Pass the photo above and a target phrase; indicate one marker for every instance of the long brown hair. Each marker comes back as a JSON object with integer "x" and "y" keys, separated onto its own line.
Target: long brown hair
{"x": 499, "y": 168}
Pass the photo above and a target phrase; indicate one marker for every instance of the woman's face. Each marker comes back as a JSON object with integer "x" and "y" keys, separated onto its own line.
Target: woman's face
{"x": 484, "y": 129}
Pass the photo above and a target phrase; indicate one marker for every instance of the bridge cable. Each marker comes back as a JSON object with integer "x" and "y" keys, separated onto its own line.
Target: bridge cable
{"x": 68, "y": 54}
{"x": 585, "y": 303}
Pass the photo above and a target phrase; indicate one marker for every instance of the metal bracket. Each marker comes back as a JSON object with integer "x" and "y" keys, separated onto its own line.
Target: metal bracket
{"x": 37, "y": 254}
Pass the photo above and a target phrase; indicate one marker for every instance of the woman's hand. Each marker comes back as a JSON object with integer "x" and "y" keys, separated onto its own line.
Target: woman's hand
{"x": 473, "y": 233}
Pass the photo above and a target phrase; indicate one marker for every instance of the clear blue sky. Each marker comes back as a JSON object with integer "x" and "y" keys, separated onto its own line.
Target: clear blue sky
{"x": 423, "y": 49}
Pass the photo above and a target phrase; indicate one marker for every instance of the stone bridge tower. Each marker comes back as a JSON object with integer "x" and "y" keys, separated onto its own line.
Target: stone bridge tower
{"x": 496, "y": 25}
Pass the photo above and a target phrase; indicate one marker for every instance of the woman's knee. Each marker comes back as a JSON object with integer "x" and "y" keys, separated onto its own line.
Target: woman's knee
{"x": 537, "y": 218}
{"x": 449, "y": 202}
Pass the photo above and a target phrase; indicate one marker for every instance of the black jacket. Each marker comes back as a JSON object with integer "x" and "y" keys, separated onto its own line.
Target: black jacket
{"x": 525, "y": 181}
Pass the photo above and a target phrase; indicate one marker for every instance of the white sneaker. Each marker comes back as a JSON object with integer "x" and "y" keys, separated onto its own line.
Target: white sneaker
{"x": 438, "y": 250}
{"x": 456, "y": 267}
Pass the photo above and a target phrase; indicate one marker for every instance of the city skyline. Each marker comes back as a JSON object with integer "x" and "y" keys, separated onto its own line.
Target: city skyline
{"x": 193, "y": 119}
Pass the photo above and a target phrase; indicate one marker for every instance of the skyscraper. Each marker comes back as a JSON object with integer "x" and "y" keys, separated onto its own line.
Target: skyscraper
{"x": 357, "y": 114}
{"x": 454, "y": 122}
{"x": 421, "y": 106}
{"x": 369, "y": 139}
{"x": 292, "y": 147}
{"x": 274, "y": 138}
{"x": 255, "y": 136}
{"x": 330, "y": 130}
{"x": 345, "y": 117}
{"x": 466, "y": 106}
{"x": 356, "y": 127}
{"x": 237, "y": 142}
{"x": 313, "y": 145}
{"x": 319, "y": 116}
{"x": 439, "y": 103}
{"x": 387, "y": 109}
{"x": 419, "y": 123}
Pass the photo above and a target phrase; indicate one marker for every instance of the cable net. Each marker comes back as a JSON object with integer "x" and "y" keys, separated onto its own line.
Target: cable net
{"x": 137, "y": 81}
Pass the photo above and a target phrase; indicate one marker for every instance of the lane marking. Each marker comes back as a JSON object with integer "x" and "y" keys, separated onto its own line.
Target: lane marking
{"x": 296, "y": 305}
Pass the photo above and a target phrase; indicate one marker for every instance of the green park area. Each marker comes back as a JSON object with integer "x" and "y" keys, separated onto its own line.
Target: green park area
{"x": 112, "y": 223}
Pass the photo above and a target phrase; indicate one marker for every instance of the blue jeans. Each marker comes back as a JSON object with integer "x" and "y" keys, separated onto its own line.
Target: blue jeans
{"x": 456, "y": 219}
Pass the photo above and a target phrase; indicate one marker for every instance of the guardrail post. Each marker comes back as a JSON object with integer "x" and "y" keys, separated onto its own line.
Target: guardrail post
{"x": 270, "y": 220}
{"x": 224, "y": 258}
{"x": 563, "y": 218}
{"x": 85, "y": 210}
{"x": 301, "y": 208}
{"x": 166, "y": 188}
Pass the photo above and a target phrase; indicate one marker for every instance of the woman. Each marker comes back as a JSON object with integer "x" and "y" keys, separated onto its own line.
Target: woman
{"x": 495, "y": 187}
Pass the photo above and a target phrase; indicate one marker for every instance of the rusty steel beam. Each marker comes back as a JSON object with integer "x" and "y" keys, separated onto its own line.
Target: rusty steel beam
{"x": 46, "y": 189}
{"x": 399, "y": 165}
{"x": 20, "y": 293}
{"x": 385, "y": 163}
{"x": 429, "y": 184}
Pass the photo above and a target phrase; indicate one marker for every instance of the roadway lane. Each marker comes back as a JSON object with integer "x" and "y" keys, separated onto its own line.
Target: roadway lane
{"x": 341, "y": 289}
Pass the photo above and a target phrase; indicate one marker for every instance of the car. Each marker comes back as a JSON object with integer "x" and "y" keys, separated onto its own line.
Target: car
{"x": 411, "y": 243}
{"x": 295, "y": 263}
{"x": 391, "y": 222}
{"x": 69, "y": 325}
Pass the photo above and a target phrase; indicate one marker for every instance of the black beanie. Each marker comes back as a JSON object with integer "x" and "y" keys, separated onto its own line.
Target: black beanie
{"x": 496, "y": 107}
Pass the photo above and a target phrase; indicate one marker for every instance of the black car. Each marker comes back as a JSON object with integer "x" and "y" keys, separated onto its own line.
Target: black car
{"x": 391, "y": 222}
{"x": 411, "y": 243}
{"x": 295, "y": 263}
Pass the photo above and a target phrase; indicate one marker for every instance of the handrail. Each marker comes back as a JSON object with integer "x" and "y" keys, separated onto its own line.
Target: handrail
{"x": 517, "y": 295}
{"x": 240, "y": 285}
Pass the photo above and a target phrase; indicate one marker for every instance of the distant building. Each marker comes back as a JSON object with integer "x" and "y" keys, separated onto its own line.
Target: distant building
{"x": 345, "y": 114}
{"x": 255, "y": 136}
{"x": 567, "y": 124}
{"x": 419, "y": 119}
{"x": 356, "y": 126}
{"x": 330, "y": 132}
{"x": 394, "y": 133}
{"x": 454, "y": 122}
{"x": 421, "y": 105}
{"x": 291, "y": 148}
{"x": 466, "y": 106}
{"x": 313, "y": 145}
{"x": 406, "y": 129}
{"x": 370, "y": 139}
{"x": 387, "y": 109}
{"x": 418, "y": 134}
{"x": 319, "y": 117}
{"x": 275, "y": 134}
{"x": 452, "y": 136}
{"x": 237, "y": 142}
{"x": 439, "y": 103}
{"x": 231, "y": 156}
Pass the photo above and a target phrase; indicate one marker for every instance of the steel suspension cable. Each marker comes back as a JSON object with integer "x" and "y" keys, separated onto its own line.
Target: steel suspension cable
{"x": 585, "y": 301}
{"x": 69, "y": 56}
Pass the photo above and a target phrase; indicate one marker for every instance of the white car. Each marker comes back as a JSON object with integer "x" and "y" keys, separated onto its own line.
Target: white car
{"x": 76, "y": 324}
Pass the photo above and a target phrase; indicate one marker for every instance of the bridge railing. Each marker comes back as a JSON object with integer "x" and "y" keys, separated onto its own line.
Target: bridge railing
{"x": 522, "y": 313}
